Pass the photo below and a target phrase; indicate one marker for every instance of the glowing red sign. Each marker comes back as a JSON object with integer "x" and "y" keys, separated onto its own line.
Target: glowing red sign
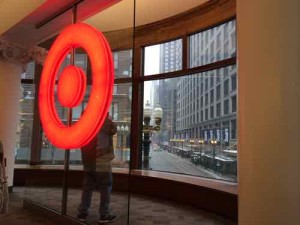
{"x": 71, "y": 86}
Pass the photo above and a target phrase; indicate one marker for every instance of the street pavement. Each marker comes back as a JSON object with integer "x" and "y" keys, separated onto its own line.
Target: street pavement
{"x": 160, "y": 161}
{"x": 168, "y": 162}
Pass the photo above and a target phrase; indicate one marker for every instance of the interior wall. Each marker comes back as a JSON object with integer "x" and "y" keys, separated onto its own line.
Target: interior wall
{"x": 269, "y": 112}
{"x": 10, "y": 75}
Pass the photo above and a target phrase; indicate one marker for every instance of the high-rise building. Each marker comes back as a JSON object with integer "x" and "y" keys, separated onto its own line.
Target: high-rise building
{"x": 203, "y": 105}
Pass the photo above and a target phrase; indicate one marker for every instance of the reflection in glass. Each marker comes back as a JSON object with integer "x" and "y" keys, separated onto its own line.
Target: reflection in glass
{"x": 123, "y": 63}
{"x": 213, "y": 45}
{"x": 24, "y": 127}
{"x": 120, "y": 110}
{"x": 188, "y": 142}
{"x": 29, "y": 73}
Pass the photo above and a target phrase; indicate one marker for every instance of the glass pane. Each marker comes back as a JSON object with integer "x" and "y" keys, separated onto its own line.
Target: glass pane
{"x": 24, "y": 128}
{"x": 29, "y": 73}
{"x": 120, "y": 110}
{"x": 163, "y": 58}
{"x": 53, "y": 155}
{"x": 213, "y": 45}
{"x": 120, "y": 113}
{"x": 197, "y": 131}
{"x": 123, "y": 63}
{"x": 49, "y": 153}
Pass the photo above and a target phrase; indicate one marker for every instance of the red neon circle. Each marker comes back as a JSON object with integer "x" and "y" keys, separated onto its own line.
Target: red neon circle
{"x": 97, "y": 48}
{"x": 71, "y": 86}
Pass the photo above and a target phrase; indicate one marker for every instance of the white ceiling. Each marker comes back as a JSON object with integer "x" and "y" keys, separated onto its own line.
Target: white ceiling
{"x": 120, "y": 15}
{"x": 26, "y": 33}
{"x": 105, "y": 15}
{"x": 12, "y": 11}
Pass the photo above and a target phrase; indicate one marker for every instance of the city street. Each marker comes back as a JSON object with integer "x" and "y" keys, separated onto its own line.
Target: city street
{"x": 160, "y": 161}
{"x": 165, "y": 161}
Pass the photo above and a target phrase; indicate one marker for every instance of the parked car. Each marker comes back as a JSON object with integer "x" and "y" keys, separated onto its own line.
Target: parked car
{"x": 231, "y": 150}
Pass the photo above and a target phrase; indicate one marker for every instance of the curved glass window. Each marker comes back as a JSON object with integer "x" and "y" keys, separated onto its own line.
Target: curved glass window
{"x": 163, "y": 58}
{"x": 175, "y": 107}
{"x": 213, "y": 45}
{"x": 188, "y": 142}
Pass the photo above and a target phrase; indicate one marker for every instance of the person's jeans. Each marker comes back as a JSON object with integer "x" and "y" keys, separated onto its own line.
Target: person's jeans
{"x": 101, "y": 181}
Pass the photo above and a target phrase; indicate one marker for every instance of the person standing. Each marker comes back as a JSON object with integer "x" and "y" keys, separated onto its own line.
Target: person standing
{"x": 96, "y": 157}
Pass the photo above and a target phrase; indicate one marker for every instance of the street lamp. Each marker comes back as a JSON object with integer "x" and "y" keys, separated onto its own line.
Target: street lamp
{"x": 122, "y": 129}
{"x": 201, "y": 142}
{"x": 126, "y": 130}
{"x": 148, "y": 129}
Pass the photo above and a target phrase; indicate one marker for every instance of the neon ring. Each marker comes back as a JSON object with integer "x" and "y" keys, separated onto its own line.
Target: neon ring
{"x": 98, "y": 50}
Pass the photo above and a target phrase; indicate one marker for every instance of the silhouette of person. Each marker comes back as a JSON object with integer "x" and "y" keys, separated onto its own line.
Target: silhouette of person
{"x": 96, "y": 157}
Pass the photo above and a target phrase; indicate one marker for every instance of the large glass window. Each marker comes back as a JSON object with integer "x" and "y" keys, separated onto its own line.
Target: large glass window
{"x": 184, "y": 115}
{"x": 163, "y": 58}
{"x": 177, "y": 146}
{"x": 219, "y": 45}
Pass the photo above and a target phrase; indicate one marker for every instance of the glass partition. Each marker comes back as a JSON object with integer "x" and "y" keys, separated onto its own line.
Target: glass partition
{"x": 121, "y": 113}
{"x": 213, "y": 45}
{"x": 48, "y": 190}
{"x": 78, "y": 196}
{"x": 182, "y": 116}
{"x": 24, "y": 128}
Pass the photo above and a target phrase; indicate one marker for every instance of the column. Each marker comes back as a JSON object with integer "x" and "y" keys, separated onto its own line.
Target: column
{"x": 10, "y": 76}
{"x": 269, "y": 112}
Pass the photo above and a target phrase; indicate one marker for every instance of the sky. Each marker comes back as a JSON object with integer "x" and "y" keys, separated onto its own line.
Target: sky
{"x": 151, "y": 67}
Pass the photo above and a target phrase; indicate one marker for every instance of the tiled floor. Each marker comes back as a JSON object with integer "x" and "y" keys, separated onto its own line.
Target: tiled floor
{"x": 143, "y": 210}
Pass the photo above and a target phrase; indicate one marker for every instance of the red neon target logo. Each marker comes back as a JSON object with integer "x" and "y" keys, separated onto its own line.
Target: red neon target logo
{"x": 71, "y": 86}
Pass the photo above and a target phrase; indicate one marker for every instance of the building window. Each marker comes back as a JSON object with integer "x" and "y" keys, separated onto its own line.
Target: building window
{"x": 212, "y": 44}
{"x": 218, "y": 109}
{"x": 226, "y": 87}
{"x": 233, "y": 103}
{"x": 226, "y": 106}
{"x": 211, "y": 96}
{"x": 233, "y": 82}
{"x": 211, "y": 80}
{"x": 218, "y": 92}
